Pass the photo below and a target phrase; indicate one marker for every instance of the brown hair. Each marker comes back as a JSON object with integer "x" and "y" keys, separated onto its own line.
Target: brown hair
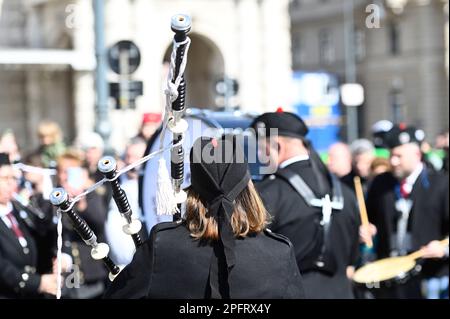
{"x": 71, "y": 155}
{"x": 51, "y": 129}
{"x": 378, "y": 163}
{"x": 249, "y": 216}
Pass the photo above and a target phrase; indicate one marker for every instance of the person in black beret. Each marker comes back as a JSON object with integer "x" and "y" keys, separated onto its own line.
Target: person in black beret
{"x": 410, "y": 210}
{"x": 379, "y": 130}
{"x": 309, "y": 206}
{"x": 18, "y": 251}
{"x": 221, "y": 249}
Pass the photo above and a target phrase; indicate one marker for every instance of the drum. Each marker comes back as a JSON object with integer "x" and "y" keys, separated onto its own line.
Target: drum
{"x": 387, "y": 272}
{"x": 201, "y": 123}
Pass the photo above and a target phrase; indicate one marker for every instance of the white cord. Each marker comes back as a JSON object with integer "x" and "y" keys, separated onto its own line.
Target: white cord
{"x": 166, "y": 201}
{"x": 34, "y": 169}
{"x": 122, "y": 171}
{"x": 171, "y": 90}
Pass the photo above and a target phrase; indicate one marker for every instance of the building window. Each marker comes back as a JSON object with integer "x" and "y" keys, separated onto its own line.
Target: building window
{"x": 326, "y": 47}
{"x": 360, "y": 44}
{"x": 394, "y": 38}
{"x": 397, "y": 102}
{"x": 297, "y": 50}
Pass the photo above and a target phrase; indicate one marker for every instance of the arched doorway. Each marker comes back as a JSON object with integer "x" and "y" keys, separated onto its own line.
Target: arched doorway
{"x": 205, "y": 66}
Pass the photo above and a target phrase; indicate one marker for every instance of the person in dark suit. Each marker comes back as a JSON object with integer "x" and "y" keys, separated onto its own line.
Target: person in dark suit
{"x": 18, "y": 251}
{"x": 90, "y": 273}
{"x": 222, "y": 248}
{"x": 410, "y": 209}
{"x": 298, "y": 195}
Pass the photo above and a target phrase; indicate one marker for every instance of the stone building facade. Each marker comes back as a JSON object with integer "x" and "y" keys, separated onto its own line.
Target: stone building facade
{"x": 47, "y": 58}
{"x": 400, "y": 55}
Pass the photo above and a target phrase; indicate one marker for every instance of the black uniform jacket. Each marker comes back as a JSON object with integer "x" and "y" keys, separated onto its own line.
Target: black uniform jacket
{"x": 293, "y": 218}
{"x": 173, "y": 265}
{"x": 18, "y": 277}
{"x": 428, "y": 219}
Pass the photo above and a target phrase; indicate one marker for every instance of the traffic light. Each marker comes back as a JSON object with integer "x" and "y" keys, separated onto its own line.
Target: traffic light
{"x": 124, "y": 58}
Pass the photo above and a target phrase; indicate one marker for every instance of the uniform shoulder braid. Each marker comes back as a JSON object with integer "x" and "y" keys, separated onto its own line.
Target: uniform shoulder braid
{"x": 277, "y": 236}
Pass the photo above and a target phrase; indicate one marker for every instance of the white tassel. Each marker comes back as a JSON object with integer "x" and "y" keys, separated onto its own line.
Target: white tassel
{"x": 165, "y": 198}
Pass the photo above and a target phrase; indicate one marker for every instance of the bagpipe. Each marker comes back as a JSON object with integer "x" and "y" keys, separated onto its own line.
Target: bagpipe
{"x": 201, "y": 122}
{"x": 170, "y": 195}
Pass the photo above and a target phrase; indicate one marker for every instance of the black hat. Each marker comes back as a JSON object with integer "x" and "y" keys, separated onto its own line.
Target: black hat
{"x": 288, "y": 124}
{"x": 4, "y": 159}
{"x": 402, "y": 134}
{"x": 219, "y": 173}
{"x": 379, "y": 131}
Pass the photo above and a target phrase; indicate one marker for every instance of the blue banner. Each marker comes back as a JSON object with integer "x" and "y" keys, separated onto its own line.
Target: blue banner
{"x": 316, "y": 101}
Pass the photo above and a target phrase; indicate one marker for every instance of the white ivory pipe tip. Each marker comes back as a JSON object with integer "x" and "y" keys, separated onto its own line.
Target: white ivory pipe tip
{"x": 99, "y": 252}
{"x": 180, "y": 127}
{"x": 132, "y": 228}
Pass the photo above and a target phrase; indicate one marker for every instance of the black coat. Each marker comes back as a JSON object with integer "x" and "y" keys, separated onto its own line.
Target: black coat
{"x": 39, "y": 218}
{"x": 172, "y": 264}
{"x": 18, "y": 277}
{"x": 293, "y": 218}
{"x": 428, "y": 219}
{"x": 91, "y": 271}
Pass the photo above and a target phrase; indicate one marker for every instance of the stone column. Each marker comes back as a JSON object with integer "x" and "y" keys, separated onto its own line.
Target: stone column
{"x": 83, "y": 80}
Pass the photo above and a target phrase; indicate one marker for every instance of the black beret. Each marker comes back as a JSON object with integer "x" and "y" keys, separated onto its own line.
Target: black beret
{"x": 4, "y": 159}
{"x": 401, "y": 134}
{"x": 288, "y": 124}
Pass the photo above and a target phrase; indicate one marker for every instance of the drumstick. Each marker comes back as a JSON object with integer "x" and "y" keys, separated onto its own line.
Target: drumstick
{"x": 362, "y": 207}
{"x": 418, "y": 254}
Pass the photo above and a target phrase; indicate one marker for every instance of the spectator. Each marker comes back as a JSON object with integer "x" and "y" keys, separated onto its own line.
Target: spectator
{"x": 93, "y": 147}
{"x": 379, "y": 166}
{"x": 339, "y": 159}
{"x": 51, "y": 143}
{"x": 73, "y": 177}
{"x": 150, "y": 123}
{"x": 8, "y": 145}
{"x": 363, "y": 153}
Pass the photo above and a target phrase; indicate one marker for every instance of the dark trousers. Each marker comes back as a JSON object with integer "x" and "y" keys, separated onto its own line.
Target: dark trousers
{"x": 408, "y": 290}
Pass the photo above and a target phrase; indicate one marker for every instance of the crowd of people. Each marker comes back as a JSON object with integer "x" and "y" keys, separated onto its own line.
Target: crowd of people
{"x": 26, "y": 184}
{"x": 297, "y": 233}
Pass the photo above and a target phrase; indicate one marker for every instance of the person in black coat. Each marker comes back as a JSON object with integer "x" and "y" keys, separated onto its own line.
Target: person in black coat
{"x": 19, "y": 277}
{"x": 410, "y": 209}
{"x": 90, "y": 274}
{"x": 326, "y": 247}
{"x": 221, "y": 249}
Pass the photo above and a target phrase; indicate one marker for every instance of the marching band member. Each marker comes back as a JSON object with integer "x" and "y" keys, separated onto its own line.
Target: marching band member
{"x": 410, "y": 210}
{"x": 325, "y": 234}
{"x": 222, "y": 248}
{"x": 18, "y": 251}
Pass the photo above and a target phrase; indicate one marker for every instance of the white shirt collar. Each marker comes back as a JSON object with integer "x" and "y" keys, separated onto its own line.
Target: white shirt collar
{"x": 5, "y": 209}
{"x": 294, "y": 159}
{"x": 411, "y": 179}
